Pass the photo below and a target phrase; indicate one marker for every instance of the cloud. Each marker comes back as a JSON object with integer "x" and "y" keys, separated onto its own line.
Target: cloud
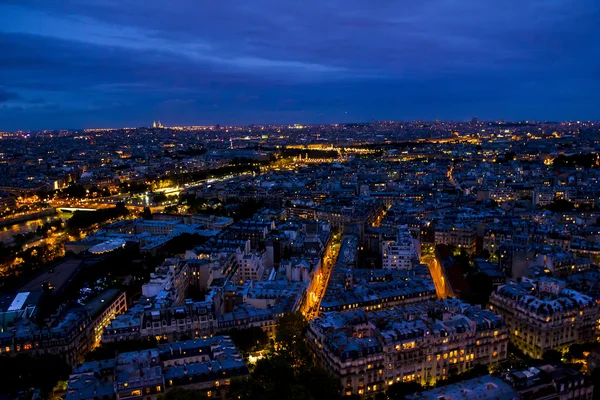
{"x": 6, "y": 96}
{"x": 122, "y": 62}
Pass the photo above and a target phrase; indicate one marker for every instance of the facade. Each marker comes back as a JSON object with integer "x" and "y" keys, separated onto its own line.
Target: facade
{"x": 103, "y": 316}
{"x": 156, "y": 227}
{"x": 169, "y": 280}
{"x": 171, "y": 323}
{"x": 7, "y": 201}
{"x": 203, "y": 271}
{"x": 424, "y": 343}
{"x": 69, "y": 336}
{"x": 543, "y": 315}
{"x": 250, "y": 266}
{"x": 459, "y": 235}
{"x": 400, "y": 253}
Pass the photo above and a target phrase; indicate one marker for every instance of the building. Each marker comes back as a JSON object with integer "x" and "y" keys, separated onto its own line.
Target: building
{"x": 19, "y": 306}
{"x": 551, "y": 382}
{"x": 205, "y": 365}
{"x": 369, "y": 351}
{"x": 543, "y": 315}
{"x": 308, "y": 271}
{"x": 156, "y": 227}
{"x": 250, "y": 266}
{"x": 169, "y": 280}
{"x": 458, "y": 235}
{"x": 124, "y": 326}
{"x": 203, "y": 271}
{"x": 484, "y": 388}
{"x": 104, "y": 308}
{"x": 361, "y": 292}
{"x": 212, "y": 222}
{"x": 69, "y": 335}
{"x": 400, "y": 253}
{"x": 7, "y": 201}
{"x": 171, "y": 323}
{"x": 492, "y": 270}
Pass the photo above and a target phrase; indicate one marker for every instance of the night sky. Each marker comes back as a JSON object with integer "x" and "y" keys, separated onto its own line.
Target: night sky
{"x": 114, "y": 63}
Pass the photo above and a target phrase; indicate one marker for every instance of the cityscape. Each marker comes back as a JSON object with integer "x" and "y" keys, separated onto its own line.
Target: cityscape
{"x": 386, "y": 260}
{"x": 316, "y": 200}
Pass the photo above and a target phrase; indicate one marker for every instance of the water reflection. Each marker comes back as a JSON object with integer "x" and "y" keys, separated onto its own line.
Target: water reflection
{"x": 7, "y": 232}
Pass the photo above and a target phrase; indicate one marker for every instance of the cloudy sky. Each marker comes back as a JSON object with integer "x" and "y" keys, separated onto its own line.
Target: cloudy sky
{"x": 111, "y": 63}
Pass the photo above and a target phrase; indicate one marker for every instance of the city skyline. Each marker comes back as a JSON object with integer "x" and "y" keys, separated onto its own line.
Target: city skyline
{"x": 83, "y": 65}
{"x": 380, "y": 259}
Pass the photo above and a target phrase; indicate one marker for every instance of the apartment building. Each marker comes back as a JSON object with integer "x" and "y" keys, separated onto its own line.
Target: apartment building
{"x": 400, "y": 253}
{"x": 369, "y": 351}
{"x": 544, "y": 315}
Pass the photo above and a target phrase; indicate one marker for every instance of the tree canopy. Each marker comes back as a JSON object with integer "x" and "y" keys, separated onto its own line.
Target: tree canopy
{"x": 288, "y": 371}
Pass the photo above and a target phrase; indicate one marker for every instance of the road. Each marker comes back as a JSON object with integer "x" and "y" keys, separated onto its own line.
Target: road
{"x": 452, "y": 180}
{"x": 310, "y": 308}
{"x": 442, "y": 287}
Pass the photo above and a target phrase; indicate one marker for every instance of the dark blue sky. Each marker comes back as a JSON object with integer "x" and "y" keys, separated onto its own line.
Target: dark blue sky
{"x": 110, "y": 63}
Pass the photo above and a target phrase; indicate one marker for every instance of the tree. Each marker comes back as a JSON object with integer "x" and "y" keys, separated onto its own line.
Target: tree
{"x": 288, "y": 371}
{"x": 171, "y": 209}
{"x": 250, "y": 339}
{"x": 589, "y": 160}
{"x": 75, "y": 191}
{"x": 552, "y": 356}
{"x": 248, "y": 389}
{"x": 24, "y": 372}
{"x": 560, "y": 206}
{"x": 485, "y": 254}
{"x": 577, "y": 350}
{"x": 159, "y": 198}
{"x": 147, "y": 213}
{"x": 323, "y": 385}
{"x": 276, "y": 374}
{"x": 85, "y": 219}
{"x": 291, "y": 344}
{"x": 481, "y": 287}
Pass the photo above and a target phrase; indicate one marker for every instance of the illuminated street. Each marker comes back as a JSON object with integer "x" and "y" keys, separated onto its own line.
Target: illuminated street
{"x": 310, "y": 308}
{"x": 442, "y": 287}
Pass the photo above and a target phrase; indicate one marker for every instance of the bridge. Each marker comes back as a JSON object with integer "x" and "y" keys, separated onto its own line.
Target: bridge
{"x": 73, "y": 209}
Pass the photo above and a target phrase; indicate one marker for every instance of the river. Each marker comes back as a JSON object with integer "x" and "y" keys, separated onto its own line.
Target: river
{"x": 7, "y": 232}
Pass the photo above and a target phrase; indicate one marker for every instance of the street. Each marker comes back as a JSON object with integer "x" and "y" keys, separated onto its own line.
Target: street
{"x": 442, "y": 287}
